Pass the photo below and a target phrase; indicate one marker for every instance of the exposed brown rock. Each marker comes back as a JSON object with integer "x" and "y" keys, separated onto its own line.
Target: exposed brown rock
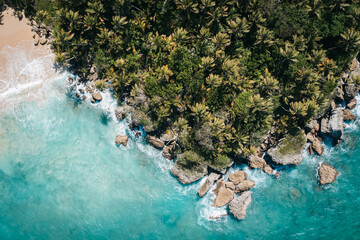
{"x": 223, "y": 194}
{"x": 208, "y": 184}
{"x": 351, "y": 104}
{"x": 122, "y": 139}
{"x": 311, "y": 150}
{"x": 237, "y": 177}
{"x": 155, "y": 142}
{"x": 327, "y": 174}
{"x": 97, "y": 96}
{"x": 310, "y": 137}
{"x": 239, "y": 205}
{"x": 119, "y": 113}
{"x": 244, "y": 186}
{"x": 169, "y": 151}
{"x": 317, "y": 147}
{"x": 354, "y": 64}
{"x": 348, "y": 115}
{"x": 256, "y": 162}
{"x": 230, "y": 185}
{"x": 186, "y": 176}
{"x": 268, "y": 169}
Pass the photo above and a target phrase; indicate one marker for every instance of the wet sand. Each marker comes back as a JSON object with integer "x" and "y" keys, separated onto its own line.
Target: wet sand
{"x": 13, "y": 30}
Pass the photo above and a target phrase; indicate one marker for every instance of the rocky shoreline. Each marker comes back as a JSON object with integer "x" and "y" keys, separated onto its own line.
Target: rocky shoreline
{"x": 273, "y": 151}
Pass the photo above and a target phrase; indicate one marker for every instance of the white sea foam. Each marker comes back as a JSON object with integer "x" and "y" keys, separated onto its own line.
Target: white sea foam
{"x": 26, "y": 74}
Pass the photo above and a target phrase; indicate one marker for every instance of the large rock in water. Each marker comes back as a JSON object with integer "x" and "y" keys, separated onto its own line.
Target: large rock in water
{"x": 223, "y": 194}
{"x": 348, "y": 115}
{"x": 327, "y": 174}
{"x": 97, "y": 96}
{"x": 237, "y": 177}
{"x": 122, "y": 139}
{"x": 186, "y": 176}
{"x": 351, "y": 90}
{"x": 208, "y": 184}
{"x": 244, "y": 186}
{"x": 256, "y": 162}
{"x": 289, "y": 150}
{"x": 155, "y": 142}
{"x": 239, "y": 205}
{"x": 336, "y": 124}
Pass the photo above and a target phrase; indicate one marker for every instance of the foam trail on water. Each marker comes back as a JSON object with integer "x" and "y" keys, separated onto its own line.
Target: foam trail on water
{"x": 26, "y": 74}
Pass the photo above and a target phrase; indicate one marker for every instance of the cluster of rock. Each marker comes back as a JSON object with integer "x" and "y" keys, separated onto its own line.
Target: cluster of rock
{"x": 226, "y": 192}
{"x": 81, "y": 90}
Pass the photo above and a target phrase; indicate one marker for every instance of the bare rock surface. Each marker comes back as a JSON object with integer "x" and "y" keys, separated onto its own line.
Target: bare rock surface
{"x": 122, "y": 139}
{"x": 239, "y": 205}
{"x": 208, "y": 184}
{"x": 237, "y": 177}
{"x": 352, "y": 104}
{"x": 348, "y": 115}
{"x": 169, "y": 151}
{"x": 244, "y": 186}
{"x": 327, "y": 174}
{"x": 223, "y": 194}
{"x": 256, "y": 162}
{"x": 97, "y": 96}
{"x": 186, "y": 176}
{"x": 336, "y": 127}
{"x": 155, "y": 142}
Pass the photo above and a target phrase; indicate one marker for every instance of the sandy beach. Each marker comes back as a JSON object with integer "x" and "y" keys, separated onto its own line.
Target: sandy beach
{"x": 25, "y": 69}
{"x": 13, "y": 30}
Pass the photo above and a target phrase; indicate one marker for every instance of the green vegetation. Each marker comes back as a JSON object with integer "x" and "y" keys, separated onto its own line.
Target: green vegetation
{"x": 219, "y": 74}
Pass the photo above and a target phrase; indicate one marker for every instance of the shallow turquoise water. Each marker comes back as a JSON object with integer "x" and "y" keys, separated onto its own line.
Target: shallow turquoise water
{"x": 62, "y": 177}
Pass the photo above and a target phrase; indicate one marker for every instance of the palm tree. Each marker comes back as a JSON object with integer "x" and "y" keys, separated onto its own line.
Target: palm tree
{"x": 338, "y": 5}
{"x": 221, "y": 40}
{"x": 350, "y": 39}
{"x": 316, "y": 56}
{"x": 264, "y": 37}
{"x": 289, "y": 53}
{"x": 119, "y": 22}
{"x": 238, "y": 27}
{"x": 200, "y": 112}
{"x": 314, "y": 7}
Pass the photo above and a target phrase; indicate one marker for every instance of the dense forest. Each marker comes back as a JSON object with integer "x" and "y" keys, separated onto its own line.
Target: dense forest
{"x": 214, "y": 75}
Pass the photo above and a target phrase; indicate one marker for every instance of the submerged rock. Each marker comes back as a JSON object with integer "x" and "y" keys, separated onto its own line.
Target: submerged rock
{"x": 97, "y": 96}
{"x": 239, "y": 205}
{"x": 122, "y": 139}
{"x": 289, "y": 150}
{"x": 256, "y": 162}
{"x": 186, "y": 175}
{"x": 237, "y": 177}
{"x": 155, "y": 142}
{"x": 348, "y": 115}
{"x": 244, "y": 186}
{"x": 208, "y": 184}
{"x": 327, "y": 174}
{"x": 223, "y": 194}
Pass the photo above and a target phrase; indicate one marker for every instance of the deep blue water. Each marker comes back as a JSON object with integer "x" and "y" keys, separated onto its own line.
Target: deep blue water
{"x": 63, "y": 177}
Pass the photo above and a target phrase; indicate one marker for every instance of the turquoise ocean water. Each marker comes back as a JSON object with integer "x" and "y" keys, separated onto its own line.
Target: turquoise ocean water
{"x": 63, "y": 177}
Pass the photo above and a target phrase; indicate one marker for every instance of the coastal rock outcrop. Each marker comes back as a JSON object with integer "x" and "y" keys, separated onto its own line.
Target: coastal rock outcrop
{"x": 350, "y": 91}
{"x": 122, "y": 139}
{"x": 317, "y": 147}
{"x": 169, "y": 151}
{"x": 97, "y": 96}
{"x": 120, "y": 113}
{"x": 289, "y": 150}
{"x": 268, "y": 169}
{"x": 237, "y": 177}
{"x": 186, "y": 175}
{"x": 336, "y": 126}
{"x": 208, "y": 184}
{"x": 348, "y": 115}
{"x": 327, "y": 174}
{"x": 244, "y": 186}
{"x": 256, "y": 162}
{"x": 239, "y": 205}
{"x": 352, "y": 104}
{"x": 223, "y": 194}
{"x": 155, "y": 142}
